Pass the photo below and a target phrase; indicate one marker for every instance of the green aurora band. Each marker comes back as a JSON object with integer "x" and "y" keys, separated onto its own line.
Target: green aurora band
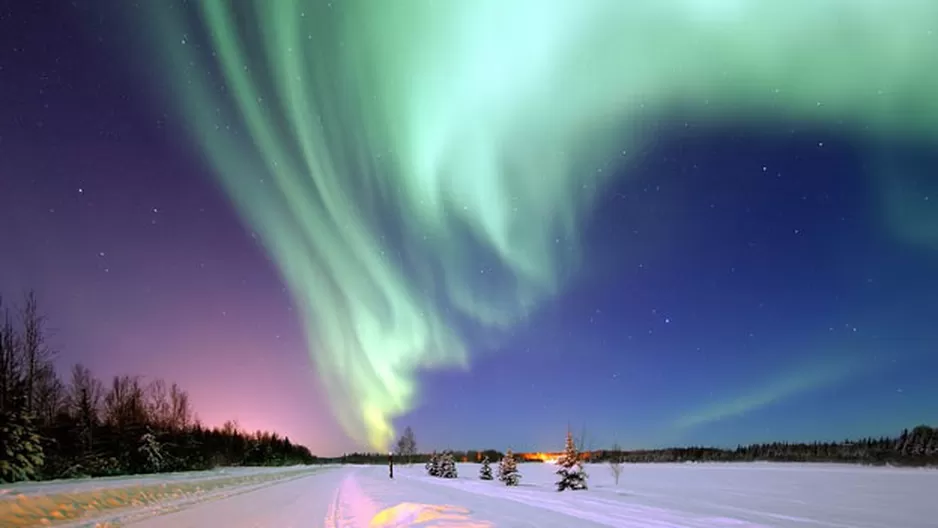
{"x": 482, "y": 123}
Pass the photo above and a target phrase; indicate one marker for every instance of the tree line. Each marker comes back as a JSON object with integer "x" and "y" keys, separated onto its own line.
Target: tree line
{"x": 79, "y": 426}
{"x": 916, "y": 447}
{"x": 414, "y": 458}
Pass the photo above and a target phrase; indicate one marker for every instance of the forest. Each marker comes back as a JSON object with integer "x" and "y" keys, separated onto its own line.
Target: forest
{"x": 80, "y": 426}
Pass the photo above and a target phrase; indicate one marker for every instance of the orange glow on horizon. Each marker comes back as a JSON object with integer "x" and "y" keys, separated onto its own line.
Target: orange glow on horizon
{"x": 548, "y": 458}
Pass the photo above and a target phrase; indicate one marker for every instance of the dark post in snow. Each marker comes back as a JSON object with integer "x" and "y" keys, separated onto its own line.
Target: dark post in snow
{"x": 391, "y": 465}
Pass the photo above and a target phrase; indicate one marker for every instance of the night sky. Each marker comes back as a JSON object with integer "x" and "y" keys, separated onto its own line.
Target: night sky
{"x": 737, "y": 275}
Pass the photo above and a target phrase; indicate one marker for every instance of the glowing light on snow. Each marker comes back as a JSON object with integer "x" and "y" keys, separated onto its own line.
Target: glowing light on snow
{"x": 414, "y": 514}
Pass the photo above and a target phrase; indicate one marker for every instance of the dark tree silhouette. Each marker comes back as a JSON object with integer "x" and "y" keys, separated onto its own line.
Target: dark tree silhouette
{"x": 407, "y": 444}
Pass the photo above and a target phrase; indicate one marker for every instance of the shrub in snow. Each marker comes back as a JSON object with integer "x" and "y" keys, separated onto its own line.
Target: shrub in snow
{"x": 485, "y": 473}
{"x": 570, "y": 469}
{"x": 448, "y": 466}
{"x": 508, "y": 470}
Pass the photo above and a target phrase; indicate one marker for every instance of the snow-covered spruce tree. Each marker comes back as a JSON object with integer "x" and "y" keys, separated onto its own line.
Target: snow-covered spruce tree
{"x": 570, "y": 469}
{"x": 485, "y": 472}
{"x": 433, "y": 465}
{"x": 448, "y": 466}
{"x": 152, "y": 451}
{"x": 508, "y": 470}
{"x": 22, "y": 456}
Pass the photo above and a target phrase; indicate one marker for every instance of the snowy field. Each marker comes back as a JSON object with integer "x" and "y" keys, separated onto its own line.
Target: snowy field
{"x": 752, "y": 495}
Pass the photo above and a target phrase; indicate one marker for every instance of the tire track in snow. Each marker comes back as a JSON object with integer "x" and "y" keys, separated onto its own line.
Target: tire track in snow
{"x": 606, "y": 512}
{"x": 350, "y": 506}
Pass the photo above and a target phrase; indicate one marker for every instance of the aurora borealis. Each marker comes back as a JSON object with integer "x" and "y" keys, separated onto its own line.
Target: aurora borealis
{"x": 482, "y": 120}
{"x": 425, "y": 175}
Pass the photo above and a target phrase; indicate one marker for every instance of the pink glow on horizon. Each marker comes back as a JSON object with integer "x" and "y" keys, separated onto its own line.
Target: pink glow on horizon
{"x": 237, "y": 362}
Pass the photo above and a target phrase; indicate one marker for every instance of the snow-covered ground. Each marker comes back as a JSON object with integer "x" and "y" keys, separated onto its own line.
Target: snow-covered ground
{"x": 51, "y": 487}
{"x": 648, "y": 496}
{"x": 729, "y": 495}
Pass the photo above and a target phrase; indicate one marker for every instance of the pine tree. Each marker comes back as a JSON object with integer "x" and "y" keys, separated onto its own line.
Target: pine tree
{"x": 572, "y": 475}
{"x": 448, "y": 466}
{"x": 508, "y": 470}
{"x": 433, "y": 465}
{"x": 152, "y": 451}
{"x": 22, "y": 456}
{"x": 485, "y": 472}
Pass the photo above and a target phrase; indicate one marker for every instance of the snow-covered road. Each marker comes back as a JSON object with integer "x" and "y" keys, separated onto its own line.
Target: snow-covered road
{"x": 649, "y": 496}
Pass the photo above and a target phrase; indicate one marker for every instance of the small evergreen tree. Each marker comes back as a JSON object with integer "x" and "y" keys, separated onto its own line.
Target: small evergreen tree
{"x": 152, "y": 451}
{"x": 448, "y": 466}
{"x": 485, "y": 472}
{"x": 508, "y": 470}
{"x": 572, "y": 475}
{"x": 433, "y": 465}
